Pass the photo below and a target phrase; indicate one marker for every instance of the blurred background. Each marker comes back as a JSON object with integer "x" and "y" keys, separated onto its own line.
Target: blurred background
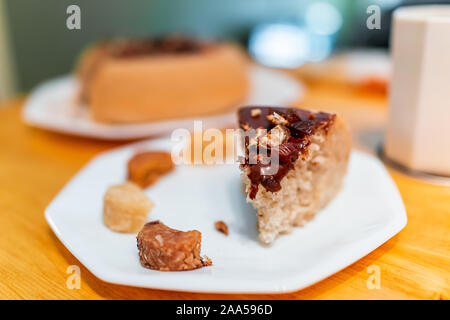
{"x": 35, "y": 43}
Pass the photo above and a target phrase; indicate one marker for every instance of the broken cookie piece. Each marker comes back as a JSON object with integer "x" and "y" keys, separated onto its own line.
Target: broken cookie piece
{"x": 125, "y": 208}
{"x": 145, "y": 168}
{"x": 166, "y": 249}
{"x": 221, "y": 227}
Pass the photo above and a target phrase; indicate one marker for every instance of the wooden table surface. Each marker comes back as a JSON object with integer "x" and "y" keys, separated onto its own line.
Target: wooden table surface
{"x": 36, "y": 164}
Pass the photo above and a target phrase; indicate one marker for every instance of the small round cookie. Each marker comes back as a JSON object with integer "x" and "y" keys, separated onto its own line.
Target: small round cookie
{"x": 125, "y": 208}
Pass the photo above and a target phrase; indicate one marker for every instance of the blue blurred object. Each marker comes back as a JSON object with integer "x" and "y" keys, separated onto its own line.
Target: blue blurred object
{"x": 323, "y": 18}
{"x": 290, "y": 45}
{"x": 279, "y": 45}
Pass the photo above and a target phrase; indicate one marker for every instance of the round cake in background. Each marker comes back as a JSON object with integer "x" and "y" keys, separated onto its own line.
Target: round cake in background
{"x": 130, "y": 80}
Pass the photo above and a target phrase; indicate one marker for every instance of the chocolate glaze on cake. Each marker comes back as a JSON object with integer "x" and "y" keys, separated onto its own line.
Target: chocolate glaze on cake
{"x": 155, "y": 46}
{"x": 300, "y": 124}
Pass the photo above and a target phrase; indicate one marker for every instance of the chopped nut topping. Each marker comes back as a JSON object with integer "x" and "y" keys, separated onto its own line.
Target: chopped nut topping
{"x": 275, "y": 137}
{"x": 221, "y": 227}
{"x": 260, "y": 132}
{"x": 255, "y": 112}
{"x": 278, "y": 135}
{"x": 275, "y": 118}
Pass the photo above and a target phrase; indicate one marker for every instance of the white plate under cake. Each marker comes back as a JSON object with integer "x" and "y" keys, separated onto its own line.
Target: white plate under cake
{"x": 367, "y": 212}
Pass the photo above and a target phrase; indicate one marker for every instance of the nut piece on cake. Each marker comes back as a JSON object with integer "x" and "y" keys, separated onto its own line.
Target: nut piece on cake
{"x": 145, "y": 168}
{"x": 165, "y": 249}
{"x": 312, "y": 150}
{"x": 125, "y": 208}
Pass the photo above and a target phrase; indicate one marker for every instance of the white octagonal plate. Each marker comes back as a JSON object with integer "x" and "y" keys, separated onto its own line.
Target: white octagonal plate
{"x": 367, "y": 212}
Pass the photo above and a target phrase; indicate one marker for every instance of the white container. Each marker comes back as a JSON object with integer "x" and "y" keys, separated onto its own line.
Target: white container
{"x": 418, "y": 132}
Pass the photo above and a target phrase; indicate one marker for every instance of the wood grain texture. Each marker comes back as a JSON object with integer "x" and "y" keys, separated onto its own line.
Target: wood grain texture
{"x": 35, "y": 165}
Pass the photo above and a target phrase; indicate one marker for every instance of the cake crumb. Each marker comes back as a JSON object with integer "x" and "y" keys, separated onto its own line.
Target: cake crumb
{"x": 221, "y": 227}
{"x": 207, "y": 262}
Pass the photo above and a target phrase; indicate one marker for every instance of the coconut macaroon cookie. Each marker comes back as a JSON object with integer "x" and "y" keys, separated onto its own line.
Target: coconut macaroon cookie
{"x": 312, "y": 150}
{"x": 125, "y": 208}
{"x": 129, "y": 81}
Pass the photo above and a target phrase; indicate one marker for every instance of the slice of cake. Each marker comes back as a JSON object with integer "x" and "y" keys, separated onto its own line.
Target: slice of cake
{"x": 140, "y": 80}
{"x": 295, "y": 161}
